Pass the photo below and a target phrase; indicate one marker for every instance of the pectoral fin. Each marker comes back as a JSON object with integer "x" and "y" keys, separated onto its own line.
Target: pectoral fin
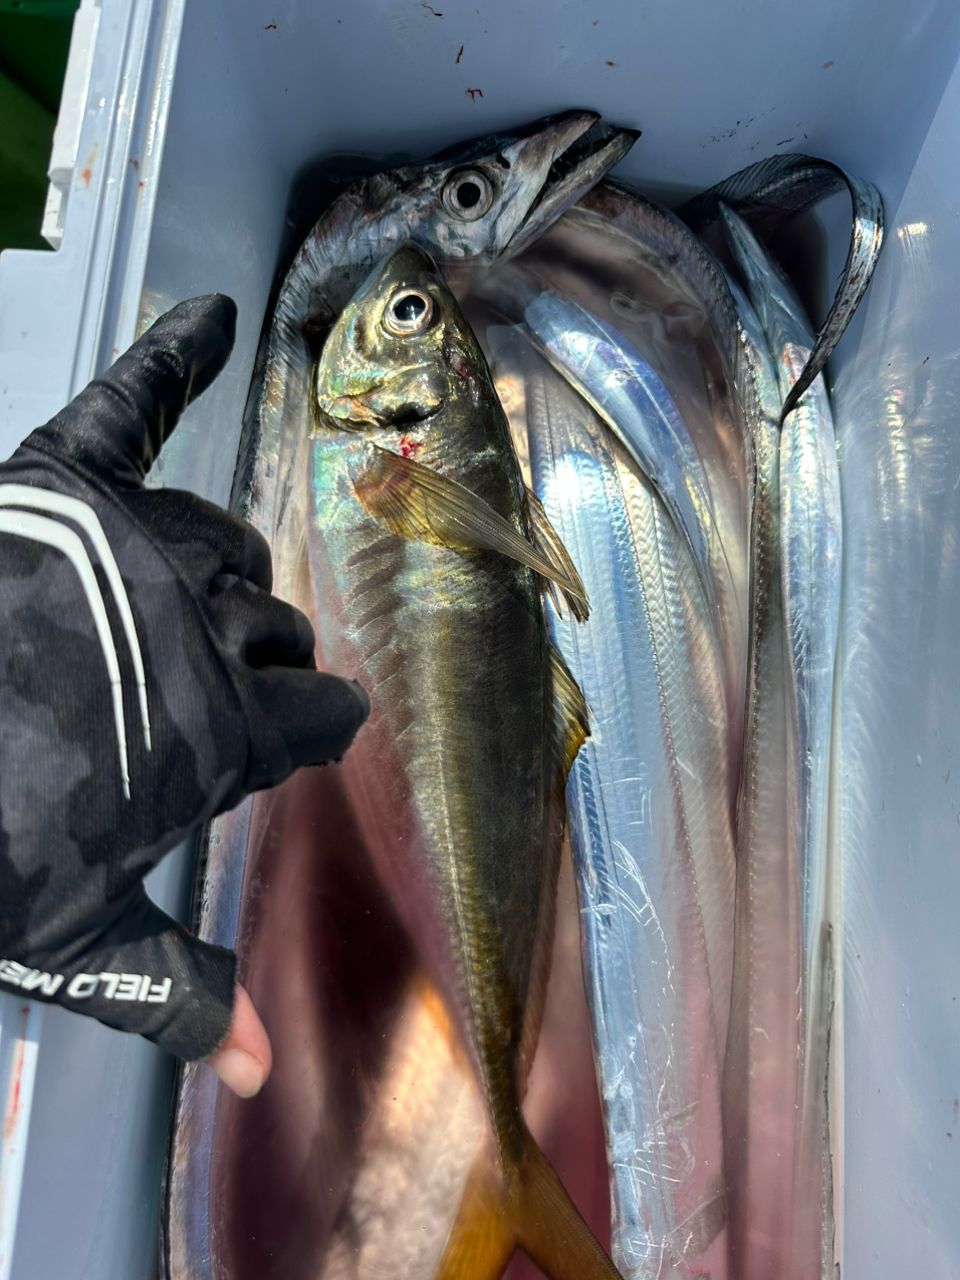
{"x": 549, "y": 543}
{"x": 416, "y": 502}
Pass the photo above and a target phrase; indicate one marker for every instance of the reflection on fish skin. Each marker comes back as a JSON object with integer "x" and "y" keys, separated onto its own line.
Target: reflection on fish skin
{"x": 811, "y": 547}
{"x": 415, "y": 1153}
{"x": 644, "y": 276}
{"x": 761, "y": 1069}
{"x": 630, "y": 398}
{"x": 426, "y": 1124}
{"x": 654, "y": 863}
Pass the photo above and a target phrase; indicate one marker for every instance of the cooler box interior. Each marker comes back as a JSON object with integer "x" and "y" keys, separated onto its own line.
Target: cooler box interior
{"x": 186, "y": 129}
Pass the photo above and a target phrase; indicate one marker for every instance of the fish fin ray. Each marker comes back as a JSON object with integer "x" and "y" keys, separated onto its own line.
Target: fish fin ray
{"x": 415, "y": 502}
{"x": 571, "y": 717}
{"x": 549, "y": 543}
{"x": 525, "y": 1208}
{"x": 571, "y": 728}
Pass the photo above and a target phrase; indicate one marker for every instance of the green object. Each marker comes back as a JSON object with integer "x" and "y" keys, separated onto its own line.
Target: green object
{"x": 40, "y": 8}
{"x": 34, "y": 46}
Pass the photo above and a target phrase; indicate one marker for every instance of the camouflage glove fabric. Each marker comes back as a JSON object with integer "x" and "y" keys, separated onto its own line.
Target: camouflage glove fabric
{"x": 148, "y": 681}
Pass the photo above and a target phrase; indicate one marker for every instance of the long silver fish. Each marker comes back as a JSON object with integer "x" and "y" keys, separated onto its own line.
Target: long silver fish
{"x": 629, "y": 396}
{"x": 644, "y": 278}
{"x": 648, "y": 799}
{"x": 424, "y": 555}
{"x": 811, "y": 544}
{"x": 762, "y": 1064}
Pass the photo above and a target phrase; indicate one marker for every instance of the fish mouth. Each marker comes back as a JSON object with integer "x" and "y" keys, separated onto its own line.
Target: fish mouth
{"x": 581, "y": 149}
{"x": 367, "y": 409}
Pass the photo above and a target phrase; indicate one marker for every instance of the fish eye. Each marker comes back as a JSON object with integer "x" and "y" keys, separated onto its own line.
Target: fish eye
{"x": 408, "y": 312}
{"x": 468, "y": 194}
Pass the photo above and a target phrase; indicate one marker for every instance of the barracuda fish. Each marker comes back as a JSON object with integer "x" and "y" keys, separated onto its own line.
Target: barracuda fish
{"x": 426, "y": 551}
{"x": 761, "y": 1071}
{"x": 477, "y": 202}
{"x": 811, "y": 544}
{"x": 650, "y": 825}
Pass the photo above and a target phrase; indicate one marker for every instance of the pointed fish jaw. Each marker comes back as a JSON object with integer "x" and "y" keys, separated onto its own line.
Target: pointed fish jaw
{"x": 537, "y": 173}
{"x": 578, "y": 159}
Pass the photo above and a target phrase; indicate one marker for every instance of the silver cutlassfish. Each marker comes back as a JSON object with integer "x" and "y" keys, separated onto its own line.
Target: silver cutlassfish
{"x": 811, "y": 547}
{"x": 648, "y": 809}
{"x": 762, "y": 1063}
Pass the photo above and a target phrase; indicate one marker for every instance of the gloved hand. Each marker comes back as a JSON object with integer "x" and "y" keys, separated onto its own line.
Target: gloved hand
{"x": 148, "y": 681}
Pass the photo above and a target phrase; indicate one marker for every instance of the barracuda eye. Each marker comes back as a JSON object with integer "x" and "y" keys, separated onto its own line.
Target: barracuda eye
{"x": 408, "y": 312}
{"x": 468, "y": 194}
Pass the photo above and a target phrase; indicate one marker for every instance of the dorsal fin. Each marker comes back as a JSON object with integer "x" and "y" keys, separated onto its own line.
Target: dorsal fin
{"x": 571, "y": 718}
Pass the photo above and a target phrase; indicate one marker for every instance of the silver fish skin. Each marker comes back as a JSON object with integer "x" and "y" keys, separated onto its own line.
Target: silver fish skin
{"x": 653, "y": 850}
{"x": 643, "y": 274}
{"x": 630, "y": 397}
{"x": 811, "y": 545}
{"x": 524, "y": 181}
{"x": 761, "y": 1072}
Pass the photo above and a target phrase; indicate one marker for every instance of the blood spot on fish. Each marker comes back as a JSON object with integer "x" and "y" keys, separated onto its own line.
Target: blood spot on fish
{"x": 457, "y": 363}
{"x": 86, "y": 175}
{"x": 409, "y": 447}
{"x": 473, "y": 94}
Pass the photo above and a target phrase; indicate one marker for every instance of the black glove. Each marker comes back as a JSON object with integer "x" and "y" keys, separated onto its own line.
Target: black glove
{"x": 148, "y": 681}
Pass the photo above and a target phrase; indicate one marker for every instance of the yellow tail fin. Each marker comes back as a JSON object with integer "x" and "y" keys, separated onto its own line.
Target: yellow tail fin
{"x": 527, "y": 1209}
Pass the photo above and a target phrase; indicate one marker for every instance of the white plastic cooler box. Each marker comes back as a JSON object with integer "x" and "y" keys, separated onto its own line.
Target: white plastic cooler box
{"x": 183, "y": 125}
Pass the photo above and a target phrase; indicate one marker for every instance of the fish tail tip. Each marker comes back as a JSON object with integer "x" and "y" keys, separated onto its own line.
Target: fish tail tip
{"x": 524, "y": 1206}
